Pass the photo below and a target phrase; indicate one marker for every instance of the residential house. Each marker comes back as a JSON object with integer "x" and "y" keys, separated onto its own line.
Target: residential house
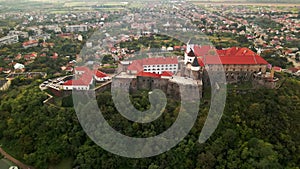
{"x": 100, "y": 76}
{"x": 19, "y": 66}
{"x": 76, "y": 28}
{"x": 31, "y": 43}
{"x": 84, "y": 78}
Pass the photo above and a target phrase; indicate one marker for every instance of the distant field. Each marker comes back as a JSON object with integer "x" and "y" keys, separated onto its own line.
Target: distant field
{"x": 73, "y": 4}
{"x": 76, "y": 4}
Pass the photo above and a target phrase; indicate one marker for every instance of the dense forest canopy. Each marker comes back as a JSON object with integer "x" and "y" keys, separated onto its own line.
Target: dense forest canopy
{"x": 259, "y": 129}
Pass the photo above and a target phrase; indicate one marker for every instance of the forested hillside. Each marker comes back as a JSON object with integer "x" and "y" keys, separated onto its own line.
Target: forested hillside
{"x": 259, "y": 129}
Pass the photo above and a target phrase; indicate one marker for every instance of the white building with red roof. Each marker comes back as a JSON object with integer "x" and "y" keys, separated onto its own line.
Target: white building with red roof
{"x": 82, "y": 83}
{"x": 84, "y": 78}
{"x": 237, "y": 63}
{"x": 229, "y": 58}
{"x": 81, "y": 70}
{"x": 154, "y": 65}
{"x": 232, "y": 56}
{"x": 31, "y": 43}
{"x": 100, "y": 76}
{"x": 164, "y": 75}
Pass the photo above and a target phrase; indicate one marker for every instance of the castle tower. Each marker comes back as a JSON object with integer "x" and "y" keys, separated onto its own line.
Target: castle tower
{"x": 189, "y": 54}
{"x": 195, "y": 69}
{"x": 189, "y": 57}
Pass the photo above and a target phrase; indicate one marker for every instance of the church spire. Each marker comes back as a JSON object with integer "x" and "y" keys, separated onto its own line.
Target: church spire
{"x": 191, "y": 53}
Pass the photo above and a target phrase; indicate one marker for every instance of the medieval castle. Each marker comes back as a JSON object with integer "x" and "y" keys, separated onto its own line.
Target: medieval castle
{"x": 167, "y": 74}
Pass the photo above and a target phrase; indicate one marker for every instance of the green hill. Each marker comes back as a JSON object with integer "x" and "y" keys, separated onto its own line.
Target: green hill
{"x": 259, "y": 129}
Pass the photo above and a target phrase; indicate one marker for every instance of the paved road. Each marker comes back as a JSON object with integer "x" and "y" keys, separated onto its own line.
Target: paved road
{"x": 15, "y": 161}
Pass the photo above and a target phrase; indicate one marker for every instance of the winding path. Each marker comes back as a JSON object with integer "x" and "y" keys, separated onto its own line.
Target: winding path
{"x": 15, "y": 161}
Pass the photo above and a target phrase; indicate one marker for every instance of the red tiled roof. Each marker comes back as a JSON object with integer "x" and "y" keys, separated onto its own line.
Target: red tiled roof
{"x": 231, "y": 56}
{"x": 65, "y": 35}
{"x": 167, "y": 73}
{"x": 177, "y": 47}
{"x": 82, "y": 68}
{"x": 200, "y": 62}
{"x": 69, "y": 69}
{"x": 154, "y": 75}
{"x": 100, "y": 74}
{"x": 293, "y": 69}
{"x": 84, "y": 80}
{"x": 138, "y": 64}
{"x": 148, "y": 74}
{"x": 200, "y": 50}
{"x": 75, "y": 83}
{"x": 276, "y": 68}
{"x": 30, "y": 42}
